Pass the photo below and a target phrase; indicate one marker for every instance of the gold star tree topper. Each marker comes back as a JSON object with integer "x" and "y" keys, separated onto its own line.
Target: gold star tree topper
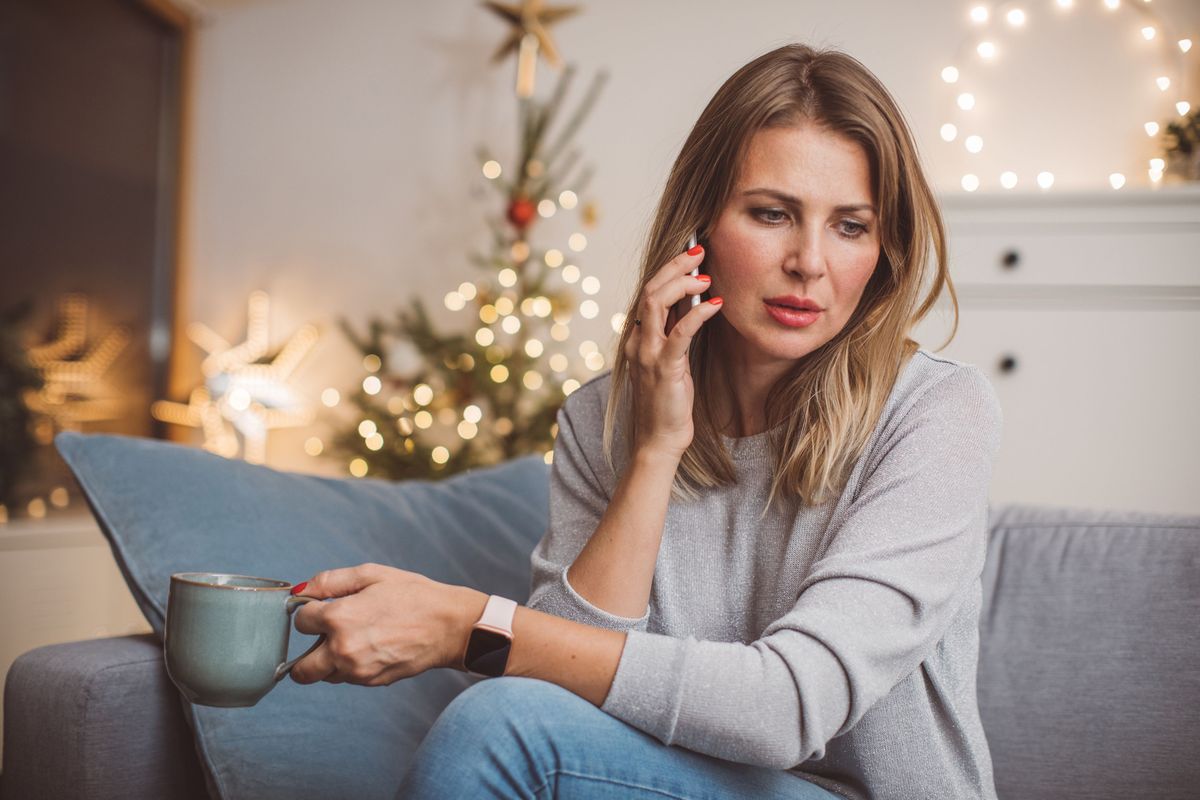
{"x": 242, "y": 388}
{"x": 528, "y": 35}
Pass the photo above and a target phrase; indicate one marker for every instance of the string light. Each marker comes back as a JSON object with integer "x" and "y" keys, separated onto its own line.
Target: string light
{"x": 987, "y": 49}
{"x": 553, "y": 258}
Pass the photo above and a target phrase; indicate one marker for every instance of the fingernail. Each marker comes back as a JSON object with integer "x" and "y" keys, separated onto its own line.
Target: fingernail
{"x": 298, "y": 588}
{"x": 716, "y": 301}
{"x": 705, "y": 278}
{"x": 695, "y": 251}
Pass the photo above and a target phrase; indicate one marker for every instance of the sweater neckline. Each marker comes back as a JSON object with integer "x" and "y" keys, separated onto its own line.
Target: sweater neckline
{"x": 746, "y": 448}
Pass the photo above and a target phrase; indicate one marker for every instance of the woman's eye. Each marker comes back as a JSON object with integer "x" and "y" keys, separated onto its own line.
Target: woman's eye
{"x": 855, "y": 229}
{"x": 762, "y": 213}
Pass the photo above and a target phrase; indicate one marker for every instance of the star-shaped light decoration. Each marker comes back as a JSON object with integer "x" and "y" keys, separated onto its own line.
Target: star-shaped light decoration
{"x": 244, "y": 388}
{"x": 75, "y": 386}
{"x": 529, "y": 21}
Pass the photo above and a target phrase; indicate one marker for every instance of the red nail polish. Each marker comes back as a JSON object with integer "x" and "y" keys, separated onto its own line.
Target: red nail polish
{"x": 716, "y": 301}
{"x": 297, "y": 589}
{"x": 695, "y": 251}
{"x": 705, "y": 278}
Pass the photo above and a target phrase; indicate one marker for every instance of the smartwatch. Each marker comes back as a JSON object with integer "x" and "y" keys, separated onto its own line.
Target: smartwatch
{"x": 491, "y": 639}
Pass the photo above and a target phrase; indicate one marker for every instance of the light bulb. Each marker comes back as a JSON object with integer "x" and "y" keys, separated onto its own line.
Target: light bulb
{"x": 1183, "y": 106}
{"x": 1151, "y": 128}
{"x": 1163, "y": 82}
{"x": 546, "y": 208}
{"x": 1045, "y": 179}
{"x": 970, "y": 182}
{"x": 1008, "y": 179}
{"x": 1117, "y": 180}
{"x": 949, "y": 132}
{"x": 973, "y": 144}
{"x": 491, "y": 170}
{"x": 966, "y": 101}
{"x": 567, "y": 199}
{"x": 553, "y": 258}
{"x": 950, "y": 74}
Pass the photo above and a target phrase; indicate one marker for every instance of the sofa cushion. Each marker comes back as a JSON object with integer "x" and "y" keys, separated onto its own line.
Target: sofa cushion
{"x": 1089, "y": 681}
{"x": 167, "y": 508}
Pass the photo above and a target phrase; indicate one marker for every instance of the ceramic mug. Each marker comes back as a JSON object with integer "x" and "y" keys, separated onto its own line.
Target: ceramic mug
{"x": 226, "y": 636}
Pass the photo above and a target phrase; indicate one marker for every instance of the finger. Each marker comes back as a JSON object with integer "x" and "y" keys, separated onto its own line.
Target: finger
{"x": 658, "y": 294}
{"x": 681, "y": 264}
{"x": 316, "y": 666}
{"x": 310, "y": 618}
{"x": 678, "y": 294}
{"x": 681, "y": 336}
{"x": 341, "y": 582}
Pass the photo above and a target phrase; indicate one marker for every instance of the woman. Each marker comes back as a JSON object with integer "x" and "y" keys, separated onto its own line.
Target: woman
{"x": 687, "y": 643}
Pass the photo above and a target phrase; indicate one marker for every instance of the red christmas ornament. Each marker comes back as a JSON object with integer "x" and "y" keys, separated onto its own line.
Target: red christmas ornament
{"x": 520, "y": 212}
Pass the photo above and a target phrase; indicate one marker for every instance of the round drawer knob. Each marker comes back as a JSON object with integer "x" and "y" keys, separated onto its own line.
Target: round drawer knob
{"x": 1010, "y": 259}
{"x": 1008, "y": 364}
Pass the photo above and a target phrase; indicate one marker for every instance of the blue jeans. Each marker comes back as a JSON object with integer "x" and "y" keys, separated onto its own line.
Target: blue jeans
{"x": 513, "y": 737}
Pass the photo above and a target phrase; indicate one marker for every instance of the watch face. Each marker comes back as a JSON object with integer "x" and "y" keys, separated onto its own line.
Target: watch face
{"x": 487, "y": 652}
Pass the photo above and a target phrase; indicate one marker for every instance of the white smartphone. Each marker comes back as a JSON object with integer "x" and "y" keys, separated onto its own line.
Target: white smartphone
{"x": 692, "y": 242}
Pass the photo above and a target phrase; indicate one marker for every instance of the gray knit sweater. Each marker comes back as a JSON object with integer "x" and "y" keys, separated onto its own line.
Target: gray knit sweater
{"x": 839, "y": 642}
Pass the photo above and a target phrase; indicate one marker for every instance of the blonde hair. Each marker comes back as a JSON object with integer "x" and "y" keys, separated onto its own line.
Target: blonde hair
{"x": 821, "y": 412}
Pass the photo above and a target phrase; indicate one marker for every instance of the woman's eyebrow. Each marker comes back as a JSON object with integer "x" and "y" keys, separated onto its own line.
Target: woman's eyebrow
{"x": 795, "y": 201}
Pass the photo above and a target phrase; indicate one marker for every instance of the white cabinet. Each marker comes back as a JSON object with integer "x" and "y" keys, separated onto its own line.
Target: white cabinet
{"x": 1084, "y": 311}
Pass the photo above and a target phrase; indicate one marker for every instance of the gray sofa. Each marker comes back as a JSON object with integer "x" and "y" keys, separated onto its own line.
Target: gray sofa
{"x": 1089, "y": 677}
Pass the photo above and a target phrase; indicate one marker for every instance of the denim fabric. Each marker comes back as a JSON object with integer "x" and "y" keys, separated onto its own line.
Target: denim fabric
{"x": 514, "y": 737}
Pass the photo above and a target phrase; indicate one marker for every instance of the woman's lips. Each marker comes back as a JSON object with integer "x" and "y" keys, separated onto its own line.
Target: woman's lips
{"x": 792, "y": 317}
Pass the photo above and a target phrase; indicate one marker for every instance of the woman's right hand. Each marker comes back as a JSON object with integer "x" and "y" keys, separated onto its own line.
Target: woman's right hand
{"x": 657, "y": 352}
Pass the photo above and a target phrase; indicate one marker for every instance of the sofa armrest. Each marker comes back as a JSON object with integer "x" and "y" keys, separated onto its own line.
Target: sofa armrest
{"x": 97, "y": 719}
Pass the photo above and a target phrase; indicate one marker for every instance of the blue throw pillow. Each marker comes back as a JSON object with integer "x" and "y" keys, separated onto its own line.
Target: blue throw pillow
{"x": 167, "y": 508}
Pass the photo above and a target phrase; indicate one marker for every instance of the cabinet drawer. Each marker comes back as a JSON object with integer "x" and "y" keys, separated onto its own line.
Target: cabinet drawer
{"x": 1099, "y": 405}
{"x": 1166, "y": 254}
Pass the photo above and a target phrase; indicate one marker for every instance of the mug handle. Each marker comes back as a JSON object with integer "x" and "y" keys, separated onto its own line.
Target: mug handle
{"x": 292, "y": 604}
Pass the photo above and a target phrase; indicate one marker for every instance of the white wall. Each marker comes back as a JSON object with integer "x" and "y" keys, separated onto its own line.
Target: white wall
{"x": 333, "y": 144}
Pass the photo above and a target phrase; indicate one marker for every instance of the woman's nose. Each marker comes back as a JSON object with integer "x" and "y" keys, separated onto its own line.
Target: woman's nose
{"x": 806, "y": 258}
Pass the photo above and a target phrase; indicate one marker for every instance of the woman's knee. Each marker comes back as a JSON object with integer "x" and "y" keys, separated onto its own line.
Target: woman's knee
{"x": 510, "y": 699}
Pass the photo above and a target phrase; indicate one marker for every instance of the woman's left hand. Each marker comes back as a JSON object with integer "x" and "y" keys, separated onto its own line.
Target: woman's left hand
{"x": 387, "y": 624}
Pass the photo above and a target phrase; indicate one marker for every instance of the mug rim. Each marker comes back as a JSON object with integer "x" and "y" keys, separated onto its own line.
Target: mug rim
{"x": 184, "y": 577}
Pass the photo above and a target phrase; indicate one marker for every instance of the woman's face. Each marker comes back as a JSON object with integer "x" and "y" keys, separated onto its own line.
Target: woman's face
{"x": 783, "y": 233}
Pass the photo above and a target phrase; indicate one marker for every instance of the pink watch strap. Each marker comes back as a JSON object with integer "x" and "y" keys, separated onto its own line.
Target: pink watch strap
{"x": 498, "y": 613}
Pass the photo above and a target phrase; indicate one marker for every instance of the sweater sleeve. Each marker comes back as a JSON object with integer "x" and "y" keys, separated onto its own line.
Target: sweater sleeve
{"x": 577, "y": 503}
{"x": 874, "y": 606}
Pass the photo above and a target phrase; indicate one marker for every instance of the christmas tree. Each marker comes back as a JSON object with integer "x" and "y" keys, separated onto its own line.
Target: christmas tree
{"x": 435, "y": 404}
